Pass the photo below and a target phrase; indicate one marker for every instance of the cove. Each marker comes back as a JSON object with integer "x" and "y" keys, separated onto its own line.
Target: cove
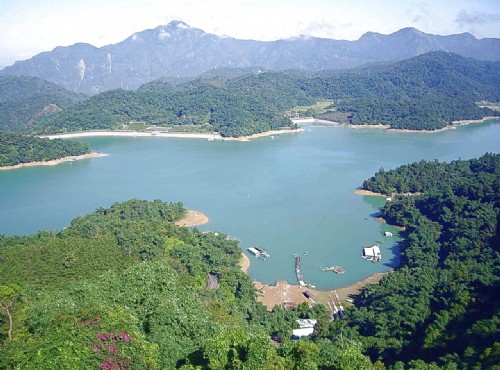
{"x": 291, "y": 194}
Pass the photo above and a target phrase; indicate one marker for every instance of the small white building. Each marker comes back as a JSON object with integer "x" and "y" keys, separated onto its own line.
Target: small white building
{"x": 306, "y": 328}
{"x": 372, "y": 252}
{"x": 302, "y": 332}
{"x": 387, "y": 233}
{"x": 306, "y": 323}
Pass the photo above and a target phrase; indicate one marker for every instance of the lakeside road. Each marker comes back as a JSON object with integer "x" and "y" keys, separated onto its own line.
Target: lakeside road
{"x": 55, "y": 161}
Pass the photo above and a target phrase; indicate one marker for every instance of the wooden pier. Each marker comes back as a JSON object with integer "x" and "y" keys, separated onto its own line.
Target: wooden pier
{"x": 300, "y": 277}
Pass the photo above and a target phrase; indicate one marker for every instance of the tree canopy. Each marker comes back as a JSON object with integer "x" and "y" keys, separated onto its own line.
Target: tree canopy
{"x": 19, "y": 148}
{"x": 426, "y": 92}
{"x": 442, "y": 304}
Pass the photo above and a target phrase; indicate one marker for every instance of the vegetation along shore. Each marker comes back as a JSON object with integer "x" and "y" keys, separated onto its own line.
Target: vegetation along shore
{"x": 54, "y": 162}
{"x": 126, "y": 285}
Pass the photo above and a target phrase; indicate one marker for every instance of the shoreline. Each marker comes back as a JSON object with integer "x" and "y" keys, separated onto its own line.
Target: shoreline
{"x": 370, "y": 193}
{"x": 264, "y": 134}
{"x": 244, "y": 262}
{"x": 452, "y": 126}
{"x": 133, "y": 134}
{"x": 465, "y": 122}
{"x": 186, "y": 135}
{"x": 193, "y": 218}
{"x": 54, "y": 162}
{"x": 284, "y": 293}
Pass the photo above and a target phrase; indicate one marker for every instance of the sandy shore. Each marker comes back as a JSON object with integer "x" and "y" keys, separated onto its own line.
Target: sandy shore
{"x": 453, "y": 125}
{"x": 468, "y": 121}
{"x": 304, "y": 120}
{"x": 134, "y": 134}
{"x": 169, "y": 134}
{"x": 371, "y": 193}
{"x": 193, "y": 218}
{"x": 55, "y": 161}
{"x": 263, "y": 134}
{"x": 244, "y": 262}
{"x": 388, "y": 128}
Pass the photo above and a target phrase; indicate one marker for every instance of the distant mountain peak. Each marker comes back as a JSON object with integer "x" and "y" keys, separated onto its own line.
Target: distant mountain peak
{"x": 179, "y": 50}
{"x": 410, "y": 30}
{"x": 179, "y": 24}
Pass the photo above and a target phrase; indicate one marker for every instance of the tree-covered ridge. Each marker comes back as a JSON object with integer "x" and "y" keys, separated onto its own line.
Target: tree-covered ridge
{"x": 233, "y": 108}
{"x": 19, "y": 148}
{"x": 23, "y": 100}
{"x": 423, "y": 176}
{"x": 124, "y": 287}
{"x": 426, "y": 92}
{"x": 442, "y": 304}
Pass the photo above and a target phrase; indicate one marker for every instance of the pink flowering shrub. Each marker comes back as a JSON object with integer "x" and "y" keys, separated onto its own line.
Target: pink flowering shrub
{"x": 109, "y": 347}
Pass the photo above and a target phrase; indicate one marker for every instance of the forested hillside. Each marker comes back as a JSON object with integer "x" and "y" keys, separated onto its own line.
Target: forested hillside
{"x": 18, "y": 148}
{"x": 242, "y": 106}
{"x": 426, "y": 92}
{"x": 441, "y": 306}
{"x": 124, "y": 287}
{"x": 23, "y": 100}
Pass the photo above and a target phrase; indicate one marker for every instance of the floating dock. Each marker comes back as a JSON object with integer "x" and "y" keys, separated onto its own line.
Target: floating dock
{"x": 262, "y": 253}
{"x": 259, "y": 253}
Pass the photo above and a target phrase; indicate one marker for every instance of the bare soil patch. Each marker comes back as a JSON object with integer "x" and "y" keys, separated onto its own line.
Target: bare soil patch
{"x": 193, "y": 218}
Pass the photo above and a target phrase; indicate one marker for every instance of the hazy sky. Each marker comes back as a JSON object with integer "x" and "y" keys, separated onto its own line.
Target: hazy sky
{"x": 28, "y": 27}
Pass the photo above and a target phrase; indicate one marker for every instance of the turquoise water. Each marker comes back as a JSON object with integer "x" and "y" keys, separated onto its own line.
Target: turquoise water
{"x": 291, "y": 194}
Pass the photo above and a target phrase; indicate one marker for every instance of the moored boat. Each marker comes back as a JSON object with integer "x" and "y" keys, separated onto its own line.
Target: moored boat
{"x": 337, "y": 269}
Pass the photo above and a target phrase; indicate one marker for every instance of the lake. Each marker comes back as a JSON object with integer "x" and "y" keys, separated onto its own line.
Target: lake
{"x": 291, "y": 194}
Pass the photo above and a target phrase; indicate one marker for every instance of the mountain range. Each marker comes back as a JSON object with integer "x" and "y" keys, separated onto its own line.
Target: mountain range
{"x": 178, "y": 50}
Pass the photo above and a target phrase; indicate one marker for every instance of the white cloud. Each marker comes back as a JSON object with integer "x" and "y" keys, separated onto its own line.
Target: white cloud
{"x": 465, "y": 18}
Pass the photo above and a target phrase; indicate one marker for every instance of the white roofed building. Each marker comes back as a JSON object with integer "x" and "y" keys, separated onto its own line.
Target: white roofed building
{"x": 372, "y": 252}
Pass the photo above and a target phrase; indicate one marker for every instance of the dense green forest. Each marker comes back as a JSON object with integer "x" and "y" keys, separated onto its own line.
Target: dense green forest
{"x": 232, "y": 107}
{"x": 425, "y": 92}
{"x": 441, "y": 306}
{"x": 19, "y": 148}
{"x": 124, "y": 287}
{"x": 24, "y": 100}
